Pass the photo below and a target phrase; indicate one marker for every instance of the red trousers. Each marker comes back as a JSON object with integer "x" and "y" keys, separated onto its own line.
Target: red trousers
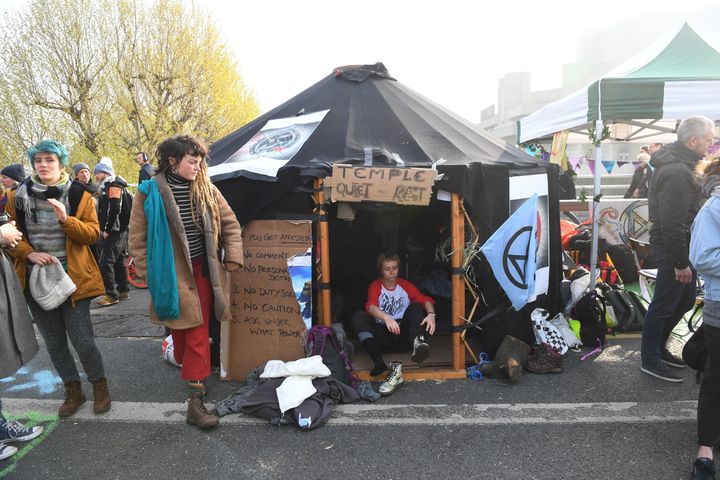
{"x": 192, "y": 345}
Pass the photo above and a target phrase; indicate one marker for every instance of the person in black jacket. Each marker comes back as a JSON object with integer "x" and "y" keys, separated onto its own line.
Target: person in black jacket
{"x": 113, "y": 234}
{"x": 146, "y": 168}
{"x": 641, "y": 178}
{"x": 674, "y": 199}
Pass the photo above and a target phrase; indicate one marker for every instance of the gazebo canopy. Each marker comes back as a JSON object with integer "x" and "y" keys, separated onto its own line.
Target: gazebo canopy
{"x": 677, "y": 77}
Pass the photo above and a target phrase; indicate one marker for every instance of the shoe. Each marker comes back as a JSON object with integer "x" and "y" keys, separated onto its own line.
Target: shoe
{"x": 198, "y": 415}
{"x": 378, "y": 369}
{"x": 7, "y": 451}
{"x": 662, "y": 372}
{"x": 123, "y": 295}
{"x": 106, "y": 300}
{"x": 421, "y": 349}
{"x": 545, "y": 360}
{"x": 101, "y": 396}
{"x": 703, "y": 469}
{"x": 672, "y": 360}
{"x": 74, "y": 397}
{"x": 14, "y": 431}
{"x": 393, "y": 381}
{"x": 509, "y": 360}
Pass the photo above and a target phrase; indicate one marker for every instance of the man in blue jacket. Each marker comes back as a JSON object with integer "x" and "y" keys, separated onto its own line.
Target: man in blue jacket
{"x": 673, "y": 200}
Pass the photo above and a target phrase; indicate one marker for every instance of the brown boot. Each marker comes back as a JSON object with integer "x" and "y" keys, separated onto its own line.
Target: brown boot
{"x": 101, "y": 395}
{"x": 546, "y": 360}
{"x": 74, "y": 397}
{"x": 198, "y": 415}
{"x": 509, "y": 360}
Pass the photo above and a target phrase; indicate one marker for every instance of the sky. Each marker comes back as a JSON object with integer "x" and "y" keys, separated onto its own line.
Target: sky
{"x": 451, "y": 51}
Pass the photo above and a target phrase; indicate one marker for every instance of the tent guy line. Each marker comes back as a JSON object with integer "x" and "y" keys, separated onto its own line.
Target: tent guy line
{"x": 412, "y": 414}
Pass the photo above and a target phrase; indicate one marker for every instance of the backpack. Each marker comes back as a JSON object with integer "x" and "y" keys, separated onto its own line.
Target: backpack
{"x": 126, "y": 201}
{"x": 335, "y": 351}
{"x": 624, "y": 261}
{"x": 628, "y": 316}
{"x": 590, "y": 311}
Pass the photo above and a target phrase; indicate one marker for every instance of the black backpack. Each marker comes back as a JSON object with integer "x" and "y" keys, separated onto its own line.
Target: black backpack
{"x": 590, "y": 311}
{"x": 335, "y": 352}
{"x": 624, "y": 260}
{"x": 126, "y": 201}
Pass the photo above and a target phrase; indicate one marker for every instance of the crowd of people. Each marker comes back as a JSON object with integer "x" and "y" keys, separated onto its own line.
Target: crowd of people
{"x": 69, "y": 238}
{"x": 65, "y": 242}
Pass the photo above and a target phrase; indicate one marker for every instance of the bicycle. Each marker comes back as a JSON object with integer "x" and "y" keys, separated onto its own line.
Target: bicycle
{"x": 133, "y": 278}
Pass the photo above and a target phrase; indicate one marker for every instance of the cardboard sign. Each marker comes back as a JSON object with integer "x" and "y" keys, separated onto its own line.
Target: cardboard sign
{"x": 404, "y": 186}
{"x": 266, "y": 318}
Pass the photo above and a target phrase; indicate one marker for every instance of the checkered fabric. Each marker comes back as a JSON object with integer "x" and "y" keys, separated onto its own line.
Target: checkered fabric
{"x": 546, "y": 333}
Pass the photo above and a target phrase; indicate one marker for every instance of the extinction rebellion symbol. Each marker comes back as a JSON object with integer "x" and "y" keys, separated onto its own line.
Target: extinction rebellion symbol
{"x": 515, "y": 262}
{"x": 276, "y": 142}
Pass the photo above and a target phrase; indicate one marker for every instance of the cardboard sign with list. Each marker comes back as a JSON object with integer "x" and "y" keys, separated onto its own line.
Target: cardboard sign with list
{"x": 404, "y": 186}
{"x": 266, "y": 322}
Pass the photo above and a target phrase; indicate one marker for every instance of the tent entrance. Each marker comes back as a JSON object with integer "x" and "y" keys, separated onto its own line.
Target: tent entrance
{"x": 423, "y": 237}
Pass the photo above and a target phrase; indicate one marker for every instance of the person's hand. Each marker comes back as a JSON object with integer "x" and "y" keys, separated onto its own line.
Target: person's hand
{"x": 429, "y": 323}
{"x": 231, "y": 266}
{"x": 392, "y": 325}
{"x": 58, "y": 209}
{"x": 10, "y": 236}
{"x": 104, "y": 235}
{"x": 40, "y": 258}
{"x": 683, "y": 275}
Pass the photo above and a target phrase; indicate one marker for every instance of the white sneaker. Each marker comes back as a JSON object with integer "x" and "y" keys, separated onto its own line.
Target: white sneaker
{"x": 393, "y": 381}
{"x": 7, "y": 451}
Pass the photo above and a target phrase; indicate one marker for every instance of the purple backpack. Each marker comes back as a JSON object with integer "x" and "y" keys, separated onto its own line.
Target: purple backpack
{"x": 335, "y": 353}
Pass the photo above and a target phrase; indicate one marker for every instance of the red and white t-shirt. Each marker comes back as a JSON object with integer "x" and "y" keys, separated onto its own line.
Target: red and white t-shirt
{"x": 394, "y": 301}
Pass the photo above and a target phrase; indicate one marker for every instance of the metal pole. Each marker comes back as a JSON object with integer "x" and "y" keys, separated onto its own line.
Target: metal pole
{"x": 596, "y": 199}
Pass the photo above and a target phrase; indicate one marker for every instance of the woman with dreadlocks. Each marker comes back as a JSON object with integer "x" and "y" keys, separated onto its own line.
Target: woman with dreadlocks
{"x": 184, "y": 238}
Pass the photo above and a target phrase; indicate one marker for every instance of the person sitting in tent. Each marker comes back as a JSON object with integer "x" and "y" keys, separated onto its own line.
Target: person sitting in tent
{"x": 396, "y": 316}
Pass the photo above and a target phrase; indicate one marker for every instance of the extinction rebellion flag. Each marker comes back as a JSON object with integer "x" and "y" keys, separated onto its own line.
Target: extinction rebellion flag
{"x": 510, "y": 251}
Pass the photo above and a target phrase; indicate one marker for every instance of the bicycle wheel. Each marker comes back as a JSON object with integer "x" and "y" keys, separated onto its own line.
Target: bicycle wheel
{"x": 134, "y": 280}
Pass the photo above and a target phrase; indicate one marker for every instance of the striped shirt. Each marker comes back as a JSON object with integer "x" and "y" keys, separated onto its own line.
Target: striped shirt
{"x": 46, "y": 235}
{"x": 181, "y": 191}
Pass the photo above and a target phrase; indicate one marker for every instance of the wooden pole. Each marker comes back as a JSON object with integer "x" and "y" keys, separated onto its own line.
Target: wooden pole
{"x": 458, "y": 284}
{"x": 324, "y": 234}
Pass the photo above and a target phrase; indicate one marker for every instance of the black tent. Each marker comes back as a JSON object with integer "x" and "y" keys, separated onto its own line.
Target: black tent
{"x": 374, "y": 119}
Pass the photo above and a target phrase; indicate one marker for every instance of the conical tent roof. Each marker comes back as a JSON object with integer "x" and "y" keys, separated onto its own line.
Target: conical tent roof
{"x": 370, "y": 114}
{"x": 671, "y": 80}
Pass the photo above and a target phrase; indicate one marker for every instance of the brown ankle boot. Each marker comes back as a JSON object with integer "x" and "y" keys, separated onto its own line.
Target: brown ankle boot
{"x": 74, "y": 397}
{"x": 198, "y": 415}
{"x": 101, "y": 395}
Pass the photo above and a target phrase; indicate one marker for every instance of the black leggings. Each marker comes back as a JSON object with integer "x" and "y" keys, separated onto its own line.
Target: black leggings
{"x": 708, "y": 414}
{"x": 387, "y": 341}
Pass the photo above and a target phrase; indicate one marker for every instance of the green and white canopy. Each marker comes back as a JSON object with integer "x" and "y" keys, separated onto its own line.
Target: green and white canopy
{"x": 672, "y": 80}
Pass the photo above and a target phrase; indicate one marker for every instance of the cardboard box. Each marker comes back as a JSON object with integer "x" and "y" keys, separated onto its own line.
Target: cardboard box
{"x": 266, "y": 322}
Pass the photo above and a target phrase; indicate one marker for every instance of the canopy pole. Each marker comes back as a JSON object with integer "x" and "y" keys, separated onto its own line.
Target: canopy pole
{"x": 458, "y": 283}
{"x": 324, "y": 242}
{"x": 596, "y": 204}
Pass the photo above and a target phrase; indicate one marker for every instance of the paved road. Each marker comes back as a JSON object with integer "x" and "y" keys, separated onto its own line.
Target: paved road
{"x": 601, "y": 419}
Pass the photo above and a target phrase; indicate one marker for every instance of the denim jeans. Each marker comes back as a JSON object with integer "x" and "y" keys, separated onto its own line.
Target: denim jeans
{"x": 670, "y": 302}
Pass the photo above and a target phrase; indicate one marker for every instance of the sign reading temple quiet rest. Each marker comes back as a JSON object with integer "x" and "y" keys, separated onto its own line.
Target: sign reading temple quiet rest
{"x": 405, "y": 186}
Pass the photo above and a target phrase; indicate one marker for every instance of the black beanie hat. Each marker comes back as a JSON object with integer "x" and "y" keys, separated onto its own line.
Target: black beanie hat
{"x": 14, "y": 171}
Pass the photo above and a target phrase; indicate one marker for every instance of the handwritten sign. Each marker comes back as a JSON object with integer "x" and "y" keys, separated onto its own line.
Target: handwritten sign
{"x": 405, "y": 186}
{"x": 266, "y": 319}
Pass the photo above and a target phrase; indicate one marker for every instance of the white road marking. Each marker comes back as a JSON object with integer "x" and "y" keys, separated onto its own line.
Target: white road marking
{"x": 384, "y": 414}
